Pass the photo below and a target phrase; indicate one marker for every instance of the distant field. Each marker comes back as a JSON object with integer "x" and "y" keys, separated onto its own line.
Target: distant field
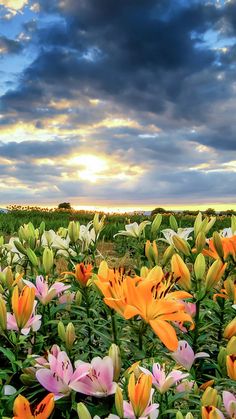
{"x": 55, "y": 218}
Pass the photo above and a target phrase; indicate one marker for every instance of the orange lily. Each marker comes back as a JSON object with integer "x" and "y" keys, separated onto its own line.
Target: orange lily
{"x": 228, "y": 245}
{"x": 139, "y": 393}
{"x": 22, "y": 305}
{"x": 231, "y": 366}
{"x": 43, "y": 410}
{"x": 149, "y": 299}
{"x": 82, "y": 273}
{"x": 230, "y": 329}
{"x": 229, "y": 290}
{"x": 211, "y": 412}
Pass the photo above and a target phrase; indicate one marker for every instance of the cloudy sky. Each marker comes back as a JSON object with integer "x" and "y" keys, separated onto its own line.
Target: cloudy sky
{"x": 128, "y": 102}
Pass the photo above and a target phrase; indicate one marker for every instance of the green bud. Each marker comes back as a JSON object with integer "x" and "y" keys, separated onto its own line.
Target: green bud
{"x": 233, "y": 224}
{"x": 169, "y": 252}
{"x": 119, "y": 402}
{"x": 209, "y": 397}
{"x": 3, "y": 314}
{"x": 20, "y": 247}
{"x": 42, "y": 228}
{"x": 200, "y": 266}
{"x": 231, "y": 346}
{"x": 156, "y": 224}
{"x": 210, "y": 224}
{"x": 73, "y": 231}
{"x": 27, "y": 380}
{"x": 200, "y": 241}
{"x": 70, "y": 335}
{"x": 78, "y": 298}
{"x": 1, "y": 240}
{"x": 189, "y": 416}
{"x": 48, "y": 260}
{"x": 197, "y": 224}
{"x": 179, "y": 415}
{"x": 32, "y": 257}
{"x": 173, "y": 223}
{"x": 61, "y": 331}
{"x": 218, "y": 244}
{"x": 114, "y": 354}
{"x": 181, "y": 245}
{"x": 83, "y": 412}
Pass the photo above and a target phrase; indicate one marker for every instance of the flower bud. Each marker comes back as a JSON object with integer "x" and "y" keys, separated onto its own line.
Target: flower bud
{"x": 230, "y": 287}
{"x": 114, "y": 354}
{"x": 83, "y": 412}
{"x": 27, "y": 379}
{"x": 200, "y": 266}
{"x": 98, "y": 225}
{"x": 151, "y": 252}
{"x": 211, "y": 412}
{"x": 70, "y": 335}
{"x": 181, "y": 271}
{"x": 218, "y": 244}
{"x": 230, "y": 329}
{"x": 78, "y": 298}
{"x": 144, "y": 271}
{"x": 209, "y": 397}
{"x": 210, "y": 224}
{"x": 231, "y": 366}
{"x": 1, "y": 240}
{"x": 156, "y": 224}
{"x": 168, "y": 254}
{"x": 61, "y": 331}
{"x": 233, "y": 224}
{"x": 200, "y": 241}
{"x": 222, "y": 358}
{"x": 9, "y": 276}
{"x": 197, "y": 224}
{"x": 42, "y": 228}
{"x": 20, "y": 247}
{"x": 189, "y": 416}
{"x": 119, "y": 402}
{"x": 179, "y": 415}
{"x": 173, "y": 223}
{"x": 3, "y": 314}
{"x": 215, "y": 273}
{"x": 181, "y": 245}
{"x": 73, "y": 231}
{"x": 32, "y": 257}
{"x": 48, "y": 259}
{"x": 231, "y": 346}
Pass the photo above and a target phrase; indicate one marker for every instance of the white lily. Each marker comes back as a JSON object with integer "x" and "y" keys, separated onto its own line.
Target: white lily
{"x": 183, "y": 233}
{"x": 87, "y": 235}
{"x": 133, "y": 229}
{"x": 227, "y": 232}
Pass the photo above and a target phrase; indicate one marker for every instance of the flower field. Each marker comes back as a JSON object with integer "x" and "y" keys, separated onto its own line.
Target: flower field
{"x": 154, "y": 339}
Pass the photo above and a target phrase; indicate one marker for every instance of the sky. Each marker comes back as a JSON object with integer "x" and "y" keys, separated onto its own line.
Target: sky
{"x": 128, "y": 103}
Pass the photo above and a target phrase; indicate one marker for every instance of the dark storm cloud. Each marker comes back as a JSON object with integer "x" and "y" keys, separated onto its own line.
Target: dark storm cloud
{"x": 9, "y": 46}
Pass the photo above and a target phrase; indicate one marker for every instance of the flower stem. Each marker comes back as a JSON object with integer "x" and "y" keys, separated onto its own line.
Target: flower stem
{"x": 114, "y": 327}
{"x": 196, "y": 330}
{"x": 221, "y": 320}
{"x": 87, "y": 305}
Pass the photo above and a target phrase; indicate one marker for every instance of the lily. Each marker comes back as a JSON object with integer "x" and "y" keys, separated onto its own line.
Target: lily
{"x": 22, "y": 305}
{"x": 161, "y": 381}
{"x": 211, "y": 412}
{"x": 87, "y": 236}
{"x": 133, "y": 229}
{"x": 229, "y": 401}
{"x": 98, "y": 380}
{"x": 82, "y": 273}
{"x": 59, "y": 378}
{"x": 22, "y": 409}
{"x": 34, "y": 322}
{"x": 140, "y": 395}
{"x": 183, "y": 233}
{"x": 45, "y": 293}
{"x": 185, "y": 355}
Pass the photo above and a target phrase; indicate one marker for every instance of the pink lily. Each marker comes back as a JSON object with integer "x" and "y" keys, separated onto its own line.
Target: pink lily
{"x": 43, "y": 292}
{"x": 33, "y": 323}
{"x": 160, "y": 380}
{"x": 229, "y": 401}
{"x": 60, "y": 377}
{"x": 185, "y": 355}
{"x": 98, "y": 381}
{"x": 151, "y": 410}
{"x": 185, "y": 386}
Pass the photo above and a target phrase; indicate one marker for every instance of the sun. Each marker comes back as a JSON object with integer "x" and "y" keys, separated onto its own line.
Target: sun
{"x": 91, "y": 167}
